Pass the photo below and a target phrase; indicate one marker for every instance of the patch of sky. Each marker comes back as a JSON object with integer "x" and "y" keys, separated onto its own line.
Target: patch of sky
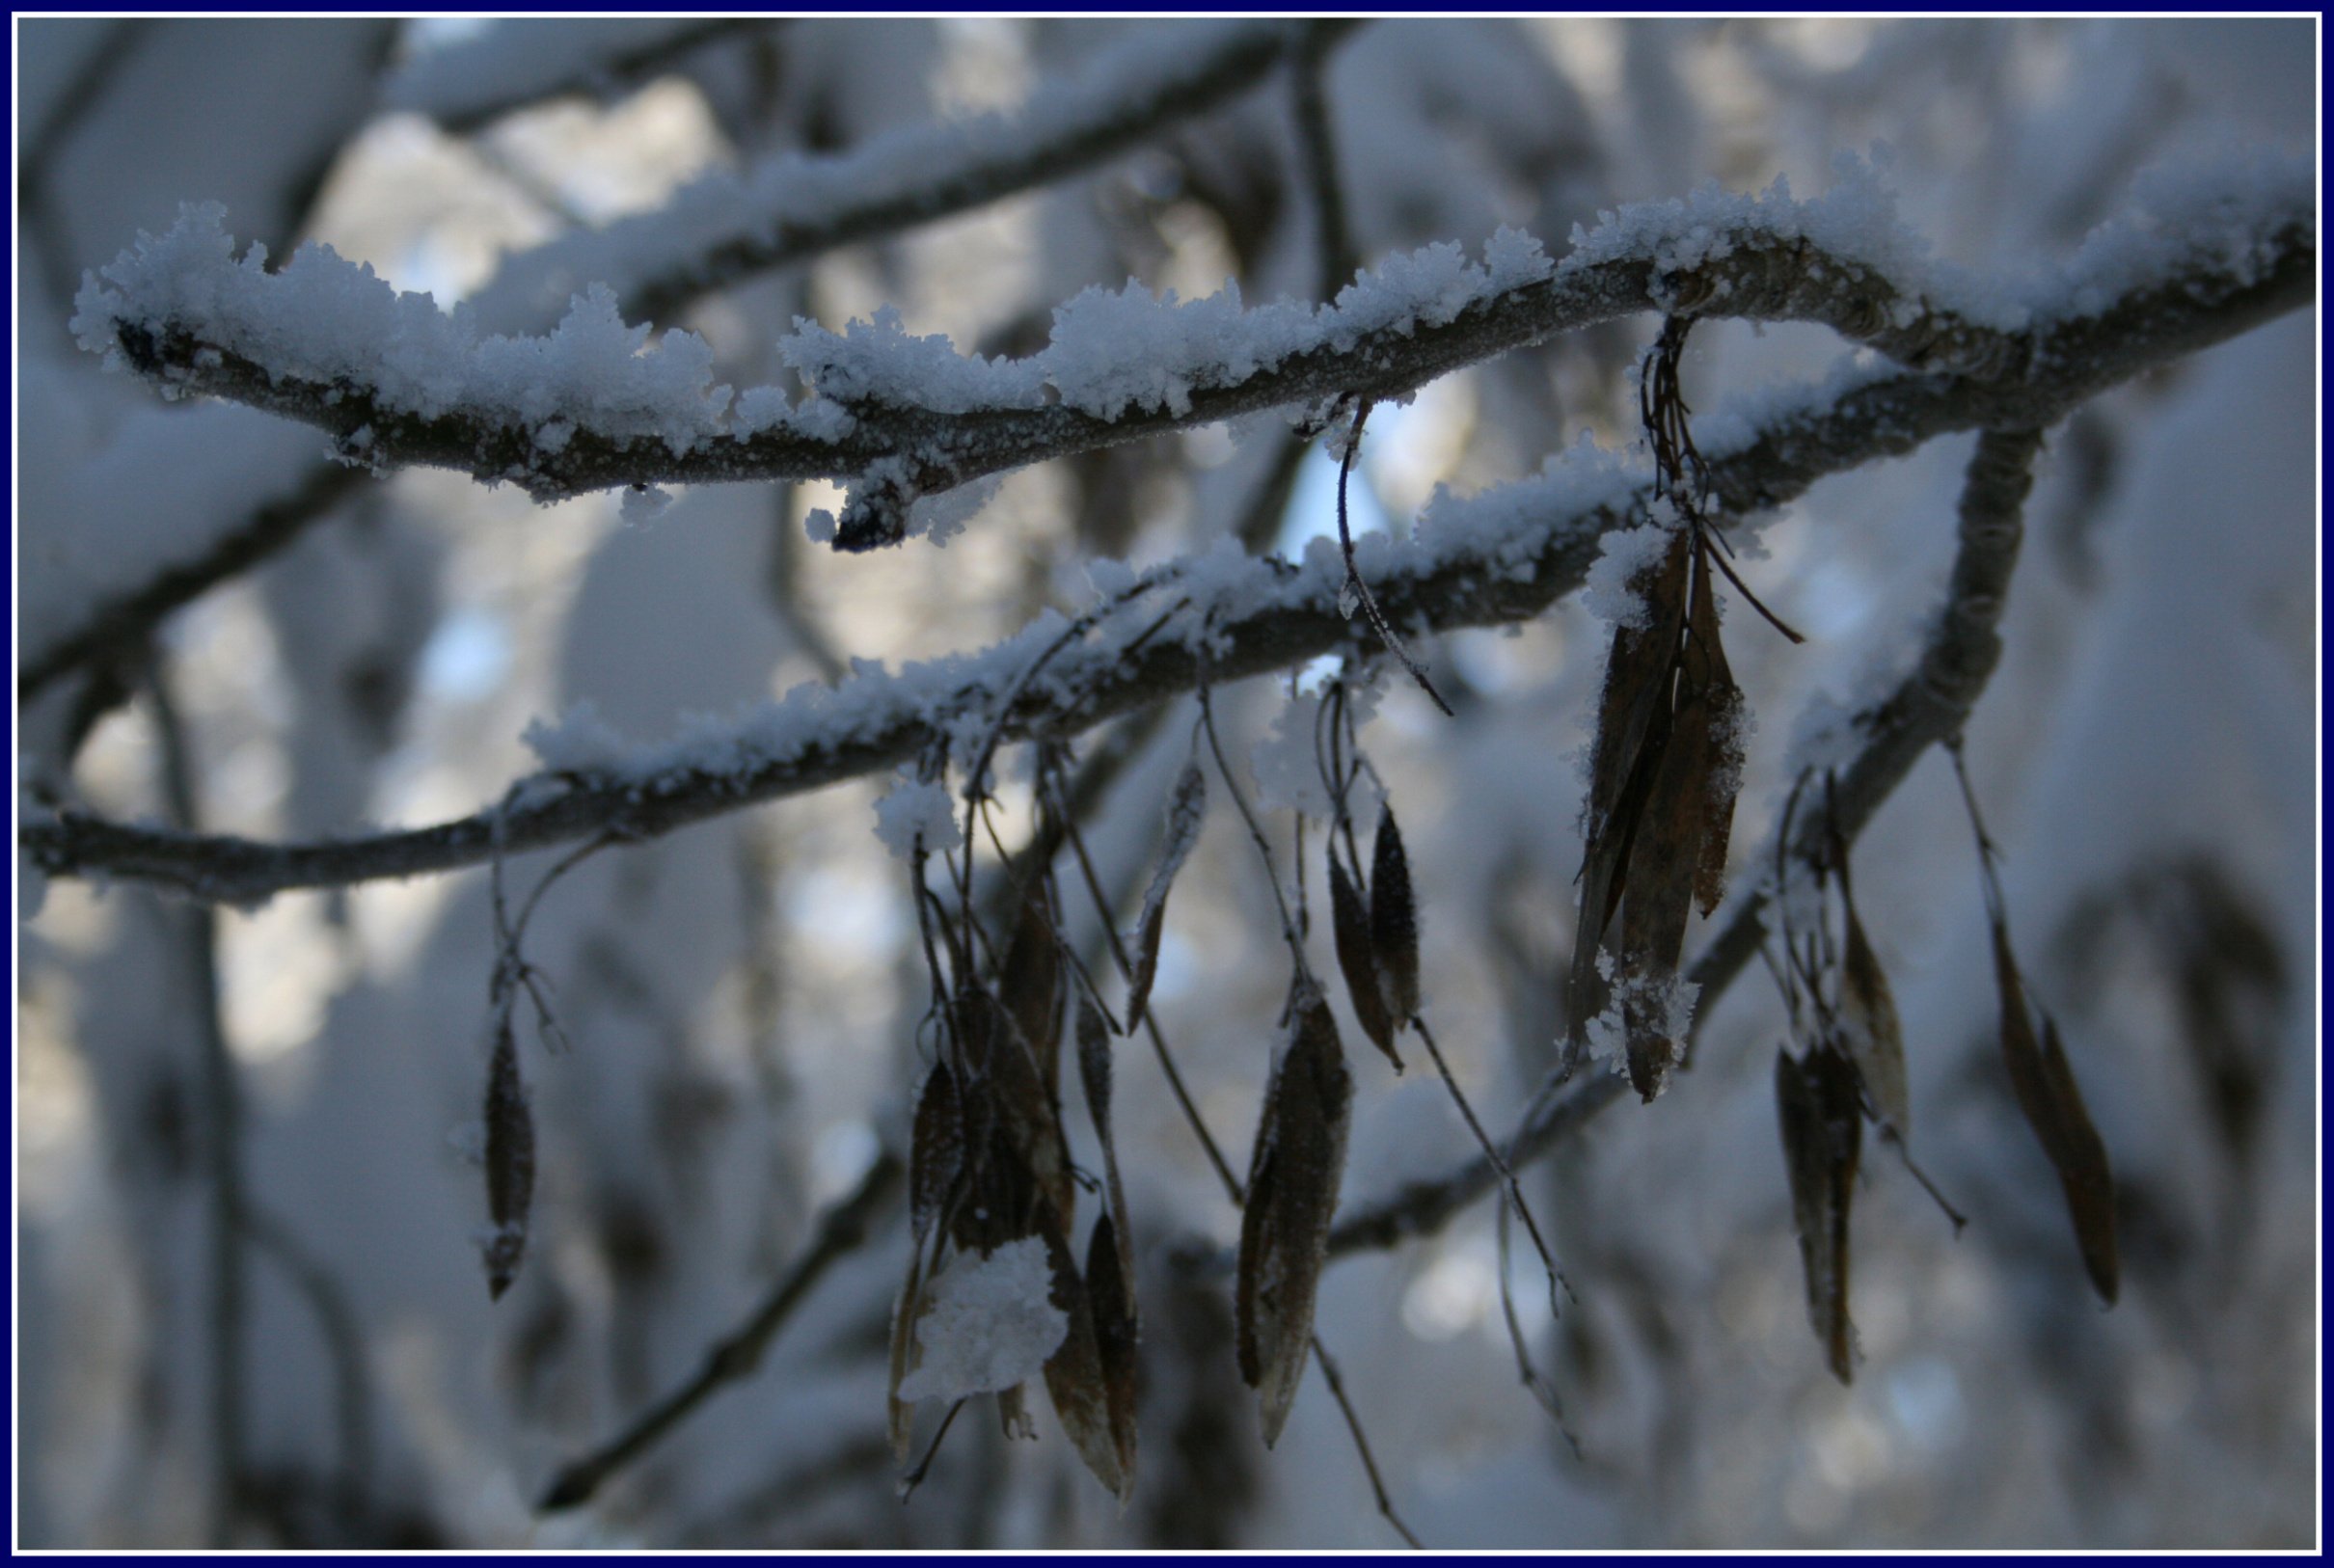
{"x": 1311, "y": 512}
{"x": 467, "y": 656}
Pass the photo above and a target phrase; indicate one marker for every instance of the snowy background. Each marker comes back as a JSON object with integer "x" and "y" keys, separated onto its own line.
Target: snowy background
{"x": 740, "y": 998}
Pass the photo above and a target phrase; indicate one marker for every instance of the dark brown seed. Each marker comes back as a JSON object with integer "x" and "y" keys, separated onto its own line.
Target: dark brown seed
{"x": 1394, "y": 923}
{"x": 1148, "y": 935}
{"x": 1632, "y": 729}
{"x": 1014, "y": 1132}
{"x": 1029, "y": 984}
{"x": 1186, "y": 811}
{"x": 935, "y": 1153}
{"x": 1666, "y": 858}
{"x": 899, "y": 1419}
{"x": 2046, "y": 1092}
{"x": 1292, "y": 1186}
{"x": 2082, "y": 1167}
{"x": 1093, "y": 1072}
{"x": 1117, "y": 1336}
{"x": 1074, "y": 1373}
{"x": 1822, "y": 1129}
{"x": 1349, "y": 924}
{"x": 510, "y": 1163}
{"x": 1868, "y": 1022}
{"x": 1725, "y": 715}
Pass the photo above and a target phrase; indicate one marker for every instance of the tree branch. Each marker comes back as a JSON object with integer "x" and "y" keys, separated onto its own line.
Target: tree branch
{"x": 736, "y": 1356}
{"x": 724, "y": 228}
{"x": 118, "y": 626}
{"x": 1499, "y": 558}
{"x": 919, "y": 176}
{"x": 521, "y": 62}
{"x": 185, "y": 316}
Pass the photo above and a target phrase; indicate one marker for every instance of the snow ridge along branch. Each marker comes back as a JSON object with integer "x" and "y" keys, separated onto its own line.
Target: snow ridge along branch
{"x": 590, "y": 406}
{"x": 1497, "y": 558}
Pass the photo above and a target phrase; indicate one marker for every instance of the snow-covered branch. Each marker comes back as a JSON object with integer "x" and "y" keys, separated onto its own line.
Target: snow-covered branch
{"x": 117, "y": 623}
{"x": 1497, "y": 558}
{"x": 590, "y": 406}
{"x": 789, "y": 208}
{"x": 523, "y": 60}
{"x": 785, "y": 211}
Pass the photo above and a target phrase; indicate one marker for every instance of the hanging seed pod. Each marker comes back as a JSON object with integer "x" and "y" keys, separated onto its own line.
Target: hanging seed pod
{"x": 1632, "y": 729}
{"x": 936, "y": 1152}
{"x": 1029, "y": 984}
{"x": 1357, "y": 960}
{"x": 1725, "y": 717}
{"x": 1822, "y": 1132}
{"x": 510, "y": 1163}
{"x": 2053, "y": 1106}
{"x": 1870, "y": 1026}
{"x": 1292, "y": 1186}
{"x": 1394, "y": 923}
{"x": 1186, "y": 811}
{"x": 1093, "y": 1072}
{"x": 2083, "y": 1168}
{"x": 1110, "y": 1296}
{"x": 1073, "y": 1373}
{"x": 899, "y": 1415}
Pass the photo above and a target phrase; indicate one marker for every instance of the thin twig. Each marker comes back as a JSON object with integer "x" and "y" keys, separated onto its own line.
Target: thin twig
{"x": 737, "y": 1355}
{"x": 1256, "y": 831}
{"x": 1361, "y": 1443}
{"x": 343, "y": 1344}
{"x": 914, "y": 1478}
{"x": 1357, "y": 590}
{"x": 449, "y": 86}
{"x": 1333, "y": 246}
{"x": 1499, "y": 1163}
{"x": 122, "y": 622}
{"x": 1540, "y": 1387}
{"x": 222, "y": 1144}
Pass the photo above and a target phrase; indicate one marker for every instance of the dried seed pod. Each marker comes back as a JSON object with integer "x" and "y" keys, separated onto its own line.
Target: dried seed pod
{"x": 1632, "y": 729}
{"x": 1029, "y": 984}
{"x": 1669, "y": 851}
{"x": 510, "y": 1163}
{"x": 1186, "y": 811}
{"x": 1821, "y": 1131}
{"x": 2083, "y": 1168}
{"x": 1292, "y": 1186}
{"x": 1024, "y": 1074}
{"x": 1093, "y": 1072}
{"x": 1073, "y": 1373}
{"x": 1110, "y": 1297}
{"x": 2053, "y": 1106}
{"x": 899, "y": 1415}
{"x": 1349, "y": 924}
{"x": 1014, "y": 1140}
{"x": 935, "y": 1153}
{"x": 1868, "y": 1024}
{"x": 1394, "y": 923}
{"x": 1725, "y": 716}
